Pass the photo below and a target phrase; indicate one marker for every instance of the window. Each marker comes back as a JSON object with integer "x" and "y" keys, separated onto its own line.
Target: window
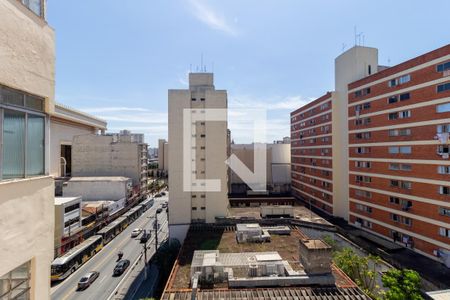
{"x": 406, "y": 185}
{"x": 443, "y": 108}
{"x": 194, "y": 208}
{"x": 405, "y": 96}
{"x": 202, "y": 135}
{"x": 193, "y": 99}
{"x": 34, "y": 5}
{"x": 392, "y": 99}
{"x": 363, "y": 135}
{"x": 202, "y": 208}
{"x": 400, "y": 132}
{"x": 392, "y": 82}
{"x": 407, "y": 221}
{"x": 443, "y": 149}
{"x": 362, "y": 164}
{"x": 443, "y": 128}
{"x": 443, "y": 67}
{"x": 393, "y": 150}
{"x": 16, "y": 283}
{"x": 405, "y": 167}
{"x": 362, "y": 121}
{"x": 443, "y": 87}
{"x": 397, "y": 167}
{"x": 395, "y": 217}
{"x": 404, "y": 79}
{"x": 444, "y": 232}
{"x": 394, "y": 167}
{"x": 444, "y": 169}
{"x": 394, "y": 200}
{"x": 445, "y": 211}
{"x": 362, "y": 92}
{"x": 395, "y": 183}
{"x": 364, "y": 208}
{"x": 444, "y": 190}
{"x": 366, "y": 179}
{"x": 202, "y": 99}
{"x": 401, "y": 149}
{"x": 364, "y": 194}
{"x": 71, "y": 207}
{"x": 362, "y": 150}
{"x": 404, "y": 114}
{"x": 393, "y": 116}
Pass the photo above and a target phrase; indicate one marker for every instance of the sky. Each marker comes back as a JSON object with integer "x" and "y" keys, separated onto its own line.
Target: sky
{"x": 117, "y": 59}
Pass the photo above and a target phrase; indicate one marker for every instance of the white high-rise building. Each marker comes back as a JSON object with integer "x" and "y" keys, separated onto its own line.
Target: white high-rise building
{"x": 207, "y": 156}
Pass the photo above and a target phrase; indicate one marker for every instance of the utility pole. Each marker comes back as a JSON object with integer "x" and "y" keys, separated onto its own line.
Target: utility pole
{"x": 145, "y": 258}
{"x": 156, "y": 232}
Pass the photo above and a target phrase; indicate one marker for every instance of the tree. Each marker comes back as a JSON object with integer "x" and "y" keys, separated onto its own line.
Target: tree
{"x": 361, "y": 269}
{"x": 402, "y": 284}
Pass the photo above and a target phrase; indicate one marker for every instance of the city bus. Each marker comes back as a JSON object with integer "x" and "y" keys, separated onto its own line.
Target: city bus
{"x": 112, "y": 229}
{"x": 133, "y": 213}
{"x": 147, "y": 203}
{"x": 65, "y": 265}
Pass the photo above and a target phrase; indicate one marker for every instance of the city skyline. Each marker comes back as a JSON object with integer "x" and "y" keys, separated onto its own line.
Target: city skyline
{"x": 249, "y": 47}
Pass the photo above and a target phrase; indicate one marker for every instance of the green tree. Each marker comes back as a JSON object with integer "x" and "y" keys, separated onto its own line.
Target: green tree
{"x": 402, "y": 284}
{"x": 361, "y": 269}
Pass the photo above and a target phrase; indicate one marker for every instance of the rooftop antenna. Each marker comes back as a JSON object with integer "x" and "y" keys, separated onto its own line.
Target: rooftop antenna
{"x": 190, "y": 68}
{"x": 354, "y": 29}
{"x": 212, "y": 67}
{"x": 201, "y": 62}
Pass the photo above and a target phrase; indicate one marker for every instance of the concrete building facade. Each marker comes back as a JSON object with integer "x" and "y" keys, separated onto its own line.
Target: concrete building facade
{"x": 67, "y": 220}
{"x": 111, "y": 155}
{"x": 27, "y": 82}
{"x": 163, "y": 156}
{"x": 208, "y": 157}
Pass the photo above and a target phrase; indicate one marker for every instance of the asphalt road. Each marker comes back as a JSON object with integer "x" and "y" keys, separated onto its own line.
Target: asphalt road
{"x": 105, "y": 261}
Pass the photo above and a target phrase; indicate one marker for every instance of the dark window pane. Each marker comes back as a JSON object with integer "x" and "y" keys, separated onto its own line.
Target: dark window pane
{"x": 34, "y": 103}
{"x": 12, "y": 97}
{"x": 35, "y": 145}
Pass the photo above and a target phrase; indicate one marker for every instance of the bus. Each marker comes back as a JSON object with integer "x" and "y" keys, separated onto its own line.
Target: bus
{"x": 65, "y": 265}
{"x": 147, "y": 203}
{"x": 133, "y": 213}
{"x": 112, "y": 229}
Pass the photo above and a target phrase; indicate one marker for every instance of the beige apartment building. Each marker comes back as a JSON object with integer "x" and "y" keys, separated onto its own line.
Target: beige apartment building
{"x": 206, "y": 155}
{"x": 163, "y": 156}
{"x": 27, "y": 81}
{"x": 111, "y": 155}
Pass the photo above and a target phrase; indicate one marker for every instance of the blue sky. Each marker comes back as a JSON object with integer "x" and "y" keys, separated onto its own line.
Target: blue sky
{"x": 117, "y": 59}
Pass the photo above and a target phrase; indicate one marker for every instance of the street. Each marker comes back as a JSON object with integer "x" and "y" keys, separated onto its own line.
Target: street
{"x": 105, "y": 261}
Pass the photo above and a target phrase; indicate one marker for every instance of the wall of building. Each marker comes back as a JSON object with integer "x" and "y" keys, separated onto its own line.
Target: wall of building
{"x": 97, "y": 155}
{"x": 27, "y": 45}
{"x": 27, "y": 222}
{"x": 209, "y": 157}
{"x": 96, "y": 190}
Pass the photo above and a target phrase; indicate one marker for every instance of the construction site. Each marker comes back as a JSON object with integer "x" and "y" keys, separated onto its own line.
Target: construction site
{"x": 268, "y": 259}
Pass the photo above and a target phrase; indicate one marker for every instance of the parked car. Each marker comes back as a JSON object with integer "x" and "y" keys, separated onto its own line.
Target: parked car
{"x": 145, "y": 236}
{"x": 157, "y": 195}
{"x": 164, "y": 205}
{"x": 87, "y": 280}
{"x": 155, "y": 225}
{"x": 163, "y": 193}
{"x": 121, "y": 267}
{"x": 136, "y": 232}
{"x": 159, "y": 210}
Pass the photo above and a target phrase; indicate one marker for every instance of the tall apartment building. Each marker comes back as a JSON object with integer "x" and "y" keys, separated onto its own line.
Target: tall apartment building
{"x": 27, "y": 84}
{"x": 399, "y": 166}
{"x": 389, "y": 167}
{"x": 207, "y": 155}
{"x": 111, "y": 155}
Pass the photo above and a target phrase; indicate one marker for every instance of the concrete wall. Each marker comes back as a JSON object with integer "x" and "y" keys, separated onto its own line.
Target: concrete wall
{"x": 94, "y": 155}
{"x": 96, "y": 190}
{"x": 62, "y": 133}
{"x": 27, "y": 229}
{"x": 349, "y": 66}
{"x": 27, "y": 47}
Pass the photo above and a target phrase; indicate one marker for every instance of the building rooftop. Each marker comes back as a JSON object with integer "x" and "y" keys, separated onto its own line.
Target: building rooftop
{"x": 66, "y": 200}
{"x": 99, "y": 178}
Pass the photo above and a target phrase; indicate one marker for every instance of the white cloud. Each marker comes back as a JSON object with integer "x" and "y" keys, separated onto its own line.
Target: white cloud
{"x": 273, "y": 103}
{"x": 207, "y": 15}
{"x": 113, "y": 109}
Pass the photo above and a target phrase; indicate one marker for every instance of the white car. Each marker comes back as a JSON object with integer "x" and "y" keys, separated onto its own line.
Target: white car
{"x": 136, "y": 232}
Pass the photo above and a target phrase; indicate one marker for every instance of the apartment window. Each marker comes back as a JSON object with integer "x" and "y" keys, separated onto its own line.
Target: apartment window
{"x": 193, "y": 99}
{"x": 362, "y": 150}
{"x": 202, "y": 99}
{"x": 193, "y": 196}
{"x": 23, "y": 136}
{"x": 405, "y": 96}
{"x": 364, "y": 223}
{"x": 443, "y": 67}
{"x": 71, "y": 222}
{"x": 443, "y": 128}
{"x": 364, "y": 208}
{"x": 362, "y": 92}
{"x": 407, "y": 221}
{"x": 395, "y": 217}
{"x": 392, "y": 82}
{"x": 393, "y": 99}
{"x": 443, "y": 149}
{"x": 443, "y": 87}
{"x": 401, "y": 149}
{"x": 202, "y": 123}
{"x": 394, "y": 200}
{"x": 202, "y": 135}
{"x": 444, "y": 169}
{"x": 394, "y": 167}
{"x": 444, "y": 190}
{"x": 395, "y": 183}
{"x": 444, "y": 232}
{"x": 404, "y": 114}
{"x": 445, "y": 211}
{"x": 202, "y": 148}
{"x": 194, "y": 208}
{"x": 406, "y": 185}
{"x": 400, "y": 132}
{"x": 35, "y": 6}
{"x": 393, "y": 116}
{"x": 363, "y": 135}
{"x": 362, "y": 164}
{"x": 404, "y": 79}
{"x": 394, "y": 150}
{"x": 16, "y": 283}
{"x": 360, "y": 178}
{"x": 202, "y": 208}
{"x": 362, "y": 121}
{"x": 443, "y": 108}
{"x": 203, "y": 196}
{"x": 364, "y": 194}
{"x": 324, "y": 106}
{"x": 405, "y": 167}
